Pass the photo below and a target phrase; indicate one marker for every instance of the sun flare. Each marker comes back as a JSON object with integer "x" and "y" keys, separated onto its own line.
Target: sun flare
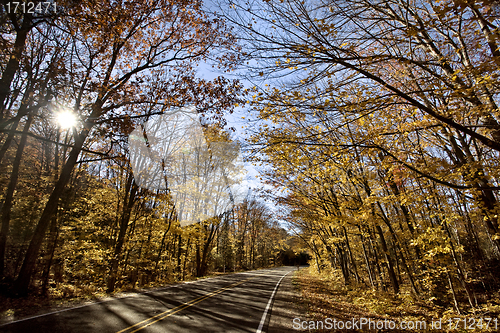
{"x": 66, "y": 119}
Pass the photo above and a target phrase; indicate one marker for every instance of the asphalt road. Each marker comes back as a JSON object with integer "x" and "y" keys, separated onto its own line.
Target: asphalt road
{"x": 231, "y": 303}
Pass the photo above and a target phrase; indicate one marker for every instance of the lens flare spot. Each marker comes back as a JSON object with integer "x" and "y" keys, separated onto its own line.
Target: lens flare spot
{"x": 66, "y": 119}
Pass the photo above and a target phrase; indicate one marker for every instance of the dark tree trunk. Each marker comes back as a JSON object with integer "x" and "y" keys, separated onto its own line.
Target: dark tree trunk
{"x": 13, "y": 63}
{"x": 130, "y": 192}
{"x": 51, "y": 245}
{"x": 23, "y": 280}
{"x": 202, "y": 257}
{"x": 390, "y": 264}
{"x": 9, "y": 195}
{"x": 354, "y": 266}
{"x": 160, "y": 251}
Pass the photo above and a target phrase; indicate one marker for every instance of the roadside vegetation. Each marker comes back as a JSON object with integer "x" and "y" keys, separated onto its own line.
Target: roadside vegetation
{"x": 374, "y": 124}
{"x": 326, "y": 296}
{"x": 378, "y": 127}
{"x": 75, "y": 82}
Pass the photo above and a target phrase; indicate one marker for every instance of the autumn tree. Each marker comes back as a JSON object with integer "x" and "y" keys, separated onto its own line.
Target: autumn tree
{"x": 378, "y": 125}
{"x": 139, "y": 60}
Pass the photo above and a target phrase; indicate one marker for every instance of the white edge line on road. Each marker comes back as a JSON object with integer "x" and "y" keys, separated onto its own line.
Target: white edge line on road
{"x": 263, "y": 320}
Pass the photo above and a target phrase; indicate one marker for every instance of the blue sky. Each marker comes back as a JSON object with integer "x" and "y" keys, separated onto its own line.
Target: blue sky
{"x": 236, "y": 121}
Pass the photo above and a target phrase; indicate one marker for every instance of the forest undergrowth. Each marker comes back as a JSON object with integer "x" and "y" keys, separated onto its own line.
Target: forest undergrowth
{"x": 326, "y": 296}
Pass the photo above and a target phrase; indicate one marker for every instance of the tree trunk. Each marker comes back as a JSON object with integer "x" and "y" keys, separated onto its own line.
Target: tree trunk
{"x": 13, "y": 63}
{"x": 390, "y": 264}
{"x": 354, "y": 266}
{"x": 201, "y": 258}
{"x": 367, "y": 261}
{"x": 179, "y": 250}
{"x": 160, "y": 250}
{"x": 22, "y": 282}
{"x": 51, "y": 245}
{"x": 9, "y": 195}
{"x": 130, "y": 193}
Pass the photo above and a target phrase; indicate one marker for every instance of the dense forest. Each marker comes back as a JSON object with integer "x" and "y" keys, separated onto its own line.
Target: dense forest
{"x": 374, "y": 123}
{"x": 378, "y": 124}
{"x": 77, "y": 78}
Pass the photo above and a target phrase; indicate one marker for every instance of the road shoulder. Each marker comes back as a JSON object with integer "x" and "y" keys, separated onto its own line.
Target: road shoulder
{"x": 288, "y": 304}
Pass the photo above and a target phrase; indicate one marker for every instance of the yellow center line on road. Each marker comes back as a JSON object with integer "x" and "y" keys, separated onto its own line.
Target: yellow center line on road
{"x": 147, "y": 322}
